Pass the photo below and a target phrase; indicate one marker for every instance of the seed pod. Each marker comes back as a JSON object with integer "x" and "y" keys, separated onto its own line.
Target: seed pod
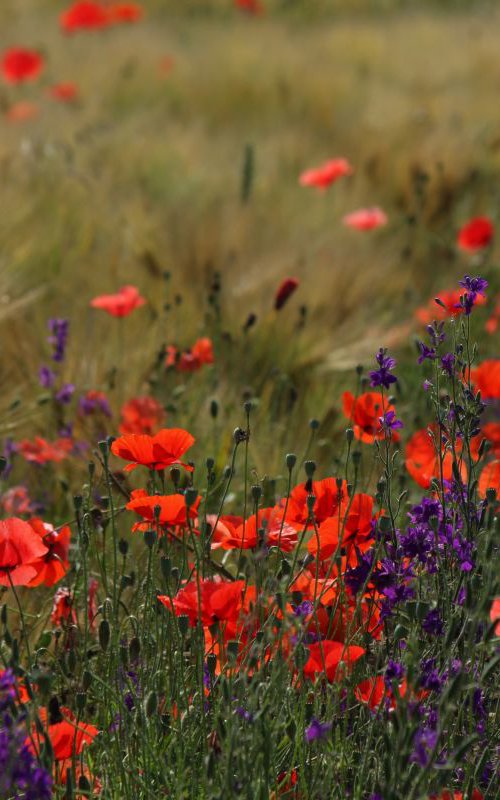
{"x": 134, "y": 649}
{"x": 104, "y": 634}
{"x": 151, "y": 704}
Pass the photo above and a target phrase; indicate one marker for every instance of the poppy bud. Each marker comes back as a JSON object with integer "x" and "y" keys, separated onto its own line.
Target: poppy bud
{"x": 247, "y": 406}
{"x": 190, "y": 497}
{"x": 256, "y": 493}
{"x": 183, "y": 622}
{"x": 227, "y": 473}
{"x": 285, "y": 290}
{"x": 103, "y": 447}
{"x": 151, "y": 704}
{"x": 251, "y": 320}
{"x": 310, "y": 468}
{"x": 86, "y": 680}
{"x": 212, "y": 663}
{"x": 491, "y": 496}
{"x": 149, "y": 538}
{"x": 291, "y": 460}
{"x": 314, "y": 424}
{"x": 77, "y": 502}
{"x": 84, "y": 784}
{"x": 166, "y": 567}
{"x": 285, "y": 567}
{"x": 175, "y": 475}
{"x": 214, "y": 409}
{"x": 349, "y": 435}
{"x": 123, "y": 547}
{"x": 81, "y": 700}
{"x": 210, "y": 463}
{"x": 232, "y": 650}
{"x": 104, "y": 634}
{"x": 134, "y": 649}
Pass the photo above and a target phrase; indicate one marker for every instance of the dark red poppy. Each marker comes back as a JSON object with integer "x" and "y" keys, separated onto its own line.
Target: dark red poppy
{"x": 364, "y": 411}
{"x": 285, "y": 290}
{"x": 448, "y": 306}
{"x": 486, "y": 378}
{"x": 329, "y": 172}
{"x": 39, "y": 451}
{"x": 221, "y": 601}
{"x": 142, "y": 415}
{"x": 476, "y": 234}
{"x": 20, "y": 65}
{"x": 20, "y": 547}
{"x": 164, "y": 449}
{"x": 325, "y": 658}
{"x": 121, "y": 304}
{"x": 64, "y": 92}
{"x": 62, "y": 607}
{"x": 54, "y": 564}
{"x": 84, "y": 15}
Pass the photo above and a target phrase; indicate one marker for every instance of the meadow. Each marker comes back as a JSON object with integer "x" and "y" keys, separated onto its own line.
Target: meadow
{"x": 250, "y": 417}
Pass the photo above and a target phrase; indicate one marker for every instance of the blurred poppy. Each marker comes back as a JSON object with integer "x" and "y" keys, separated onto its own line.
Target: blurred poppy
{"x": 93, "y": 402}
{"x": 285, "y": 290}
{"x": 39, "y": 451}
{"x": 364, "y": 412}
{"x": 84, "y": 15}
{"x": 448, "y": 306}
{"x": 166, "y": 66}
{"x": 329, "y": 172}
{"x": 220, "y": 601}
{"x": 142, "y": 415}
{"x": 193, "y": 359}
{"x": 476, "y": 234}
{"x": 20, "y": 65}
{"x": 23, "y": 111}
{"x": 491, "y": 432}
{"x": 16, "y": 501}
{"x": 125, "y": 12}
{"x": 486, "y": 378}
{"x": 62, "y": 607}
{"x": 451, "y": 795}
{"x": 20, "y": 547}
{"x": 121, "y": 304}
{"x": 422, "y": 460}
{"x": 54, "y": 564}
{"x": 250, "y": 6}
{"x": 489, "y": 478}
{"x": 68, "y": 737}
{"x": 495, "y": 614}
{"x": 365, "y": 219}
{"x": 160, "y": 451}
{"x": 373, "y": 692}
{"x": 64, "y": 92}
{"x": 325, "y": 658}
{"x": 172, "y": 508}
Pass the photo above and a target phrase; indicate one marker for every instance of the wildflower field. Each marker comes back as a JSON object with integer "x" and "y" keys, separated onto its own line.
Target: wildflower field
{"x": 250, "y": 407}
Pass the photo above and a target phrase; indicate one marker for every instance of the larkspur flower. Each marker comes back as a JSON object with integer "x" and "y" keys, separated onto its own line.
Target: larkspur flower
{"x": 433, "y": 623}
{"x": 317, "y": 730}
{"x": 46, "y": 377}
{"x": 393, "y": 672}
{"x": 389, "y": 422}
{"x": 59, "y": 329}
{"x": 382, "y": 376}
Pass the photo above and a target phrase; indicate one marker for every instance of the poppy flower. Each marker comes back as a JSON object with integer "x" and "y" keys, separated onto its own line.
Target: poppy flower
{"x": 39, "y": 451}
{"x": 365, "y": 219}
{"x": 373, "y": 692}
{"x": 329, "y": 172}
{"x": 64, "y": 92}
{"x": 285, "y": 290}
{"x": 329, "y": 497}
{"x": 250, "y": 6}
{"x": 476, "y": 234}
{"x": 160, "y": 451}
{"x": 489, "y": 478}
{"x": 54, "y": 564}
{"x": 20, "y": 65}
{"x": 422, "y": 460}
{"x": 447, "y": 795}
{"x": 23, "y": 111}
{"x": 16, "y": 501}
{"x": 20, "y": 547}
{"x": 173, "y": 509}
{"x": 84, "y": 15}
{"x": 495, "y": 614}
{"x": 93, "y": 402}
{"x": 448, "y": 306}
{"x": 68, "y": 737}
{"x": 62, "y": 607}
{"x": 355, "y": 528}
{"x": 121, "y": 304}
{"x": 221, "y": 601}
{"x": 364, "y": 413}
{"x": 142, "y": 415}
{"x": 486, "y": 379}
{"x": 92, "y": 602}
{"x": 245, "y": 535}
{"x": 193, "y": 359}
{"x": 125, "y": 12}
{"x": 325, "y": 658}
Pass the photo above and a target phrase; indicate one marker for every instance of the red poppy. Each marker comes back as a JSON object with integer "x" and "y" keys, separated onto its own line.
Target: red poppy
{"x": 92, "y": 602}
{"x": 329, "y": 497}
{"x": 68, "y": 737}
{"x": 20, "y": 547}
{"x": 39, "y": 451}
{"x": 221, "y": 601}
{"x": 20, "y": 65}
{"x": 54, "y": 564}
{"x": 62, "y": 607}
{"x": 476, "y": 234}
{"x": 422, "y": 460}
{"x": 365, "y": 219}
{"x": 373, "y": 692}
{"x": 489, "y": 478}
{"x": 250, "y": 6}
{"x": 364, "y": 412}
{"x": 125, "y": 12}
{"x": 329, "y": 172}
{"x": 173, "y": 509}
{"x": 84, "y": 15}
{"x": 447, "y": 795}
{"x": 285, "y": 290}
{"x": 354, "y": 528}
{"x": 245, "y": 535}
{"x": 64, "y": 92}
{"x": 495, "y": 614}
{"x": 23, "y": 111}
{"x": 121, "y": 304}
{"x": 160, "y": 451}
{"x": 191, "y": 360}
{"x": 451, "y": 302}
{"x": 491, "y": 431}
{"x": 325, "y": 658}
{"x": 142, "y": 415}
{"x": 16, "y": 501}
{"x": 486, "y": 378}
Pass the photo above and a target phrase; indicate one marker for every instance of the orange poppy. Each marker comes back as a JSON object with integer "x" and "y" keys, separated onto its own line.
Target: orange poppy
{"x": 495, "y": 614}
{"x": 54, "y": 564}
{"x": 64, "y": 92}
{"x": 39, "y": 451}
{"x": 489, "y": 478}
{"x": 173, "y": 509}
{"x": 125, "y": 12}
{"x": 422, "y": 460}
{"x": 448, "y": 306}
{"x": 221, "y": 601}
{"x": 62, "y": 607}
{"x": 67, "y": 737}
{"x": 486, "y": 378}
{"x": 476, "y": 234}
{"x": 329, "y": 172}
{"x": 164, "y": 449}
{"x": 121, "y": 304}
{"x": 20, "y": 65}
{"x": 20, "y": 548}
{"x": 245, "y": 535}
{"x": 373, "y": 692}
{"x": 325, "y": 658}
{"x": 364, "y": 411}
{"x": 191, "y": 360}
{"x": 327, "y": 503}
{"x": 353, "y": 528}
{"x": 142, "y": 415}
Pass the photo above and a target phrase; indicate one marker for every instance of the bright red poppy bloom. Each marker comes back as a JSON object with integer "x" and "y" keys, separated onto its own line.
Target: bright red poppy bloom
{"x": 373, "y": 692}
{"x": 486, "y": 378}
{"x": 352, "y": 529}
{"x": 20, "y": 547}
{"x": 68, "y": 737}
{"x": 450, "y": 795}
{"x": 20, "y": 65}
{"x": 285, "y": 290}
{"x": 54, "y": 564}
{"x": 64, "y": 92}
{"x": 325, "y": 657}
{"x": 191, "y": 360}
{"x": 84, "y": 15}
{"x": 365, "y": 219}
{"x": 62, "y": 607}
{"x": 121, "y": 304}
{"x": 250, "y": 6}
{"x": 164, "y": 449}
{"x": 422, "y": 460}
{"x": 173, "y": 509}
{"x": 221, "y": 601}
{"x": 22, "y": 111}
{"x": 491, "y": 432}
{"x": 39, "y": 451}
{"x": 364, "y": 412}
{"x": 489, "y": 478}
{"x": 328, "y": 500}
{"x": 476, "y": 234}
{"x": 142, "y": 415}
{"x": 125, "y": 12}
{"x": 329, "y": 172}
{"x": 451, "y": 302}
{"x": 235, "y": 534}
{"x": 495, "y": 614}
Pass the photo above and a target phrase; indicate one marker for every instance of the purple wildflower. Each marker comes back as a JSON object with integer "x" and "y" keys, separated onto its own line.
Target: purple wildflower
{"x": 382, "y": 376}
{"x": 448, "y": 363}
{"x": 394, "y": 672}
{"x": 317, "y": 730}
{"x": 389, "y": 422}
{"x": 46, "y": 377}
{"x": 59, "y": 329}
{"x": 65, "y": 393}
{"x": 425, "y": 352}
{"x": 433, "y": 623}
